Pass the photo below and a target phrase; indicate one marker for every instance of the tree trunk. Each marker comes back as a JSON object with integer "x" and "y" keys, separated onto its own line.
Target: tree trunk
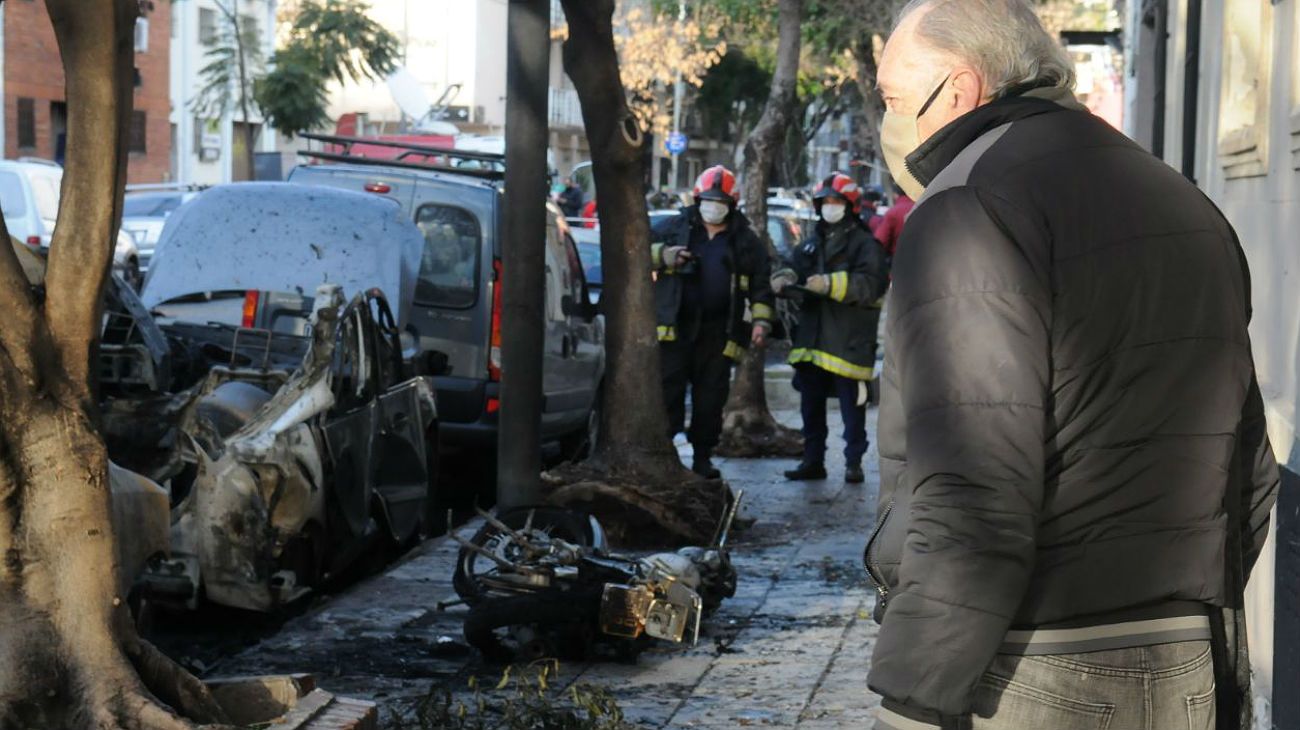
{"x": 634, "y": 447}
{"x": 864, "y": 58}
{"x": 748, "y": 426}
{"x": 250, "y": 155}
{"x": 69, "y": 657}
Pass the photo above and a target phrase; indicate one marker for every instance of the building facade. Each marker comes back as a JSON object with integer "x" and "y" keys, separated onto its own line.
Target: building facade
{"x": 35, "y": 107}
{"x": 209, "y": 143}
{"x": 1214, "y": 89}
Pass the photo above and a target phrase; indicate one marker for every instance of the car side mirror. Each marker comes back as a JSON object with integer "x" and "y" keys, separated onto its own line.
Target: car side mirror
{"x": 581, "y": 310}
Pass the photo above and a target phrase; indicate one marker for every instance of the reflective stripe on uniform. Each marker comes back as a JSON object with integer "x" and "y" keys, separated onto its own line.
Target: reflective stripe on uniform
{"x": 762, "y": 311}
{"x": 839, "y": 285}
{"x": 667, "y": 333}
{"x": 733, "y": 351}
{"x": 831, "y": 364}
{"x": 744, "y": 283}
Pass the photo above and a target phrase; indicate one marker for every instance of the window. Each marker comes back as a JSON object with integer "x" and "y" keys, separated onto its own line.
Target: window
{"x": 26, "y": 123}
{"x": 450, "y": 264}
{"x": 151, "y": 205}
{"x": 207, "y": 26}
{"x": 12, "y": 200}
{"x": 139, "y": 122}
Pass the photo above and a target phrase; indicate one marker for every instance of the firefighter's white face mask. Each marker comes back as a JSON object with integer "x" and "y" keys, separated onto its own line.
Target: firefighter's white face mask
{"x": 899, "y": 137}
{"x": 714, "y": 212}
{"x": 833, "y": 212}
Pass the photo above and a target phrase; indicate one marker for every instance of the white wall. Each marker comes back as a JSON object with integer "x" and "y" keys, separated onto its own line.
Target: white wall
{"x": 1262, "y": 200}
{"x": 440, "y": 40}
{"x": 187, "y": 60}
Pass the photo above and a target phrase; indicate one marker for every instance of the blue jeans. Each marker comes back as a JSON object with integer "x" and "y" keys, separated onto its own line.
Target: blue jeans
{"x": 815, "y": 386}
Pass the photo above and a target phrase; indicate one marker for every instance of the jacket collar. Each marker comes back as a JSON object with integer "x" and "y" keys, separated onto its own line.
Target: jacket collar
{"x": 940, "y": 150}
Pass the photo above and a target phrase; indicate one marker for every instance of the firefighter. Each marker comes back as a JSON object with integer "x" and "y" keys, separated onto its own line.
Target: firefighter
{"x": 842, "y": 276}
{"x": 712, "y": 300}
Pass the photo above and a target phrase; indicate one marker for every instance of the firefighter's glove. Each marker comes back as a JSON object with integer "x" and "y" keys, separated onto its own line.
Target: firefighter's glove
{"x": 818, "y": 284}
{"x": 675, "y": 256}
{"x": 782, "y": 279}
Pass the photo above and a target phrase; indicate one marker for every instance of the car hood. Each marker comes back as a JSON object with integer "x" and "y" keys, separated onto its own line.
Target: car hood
{"x": 279, "y": 237}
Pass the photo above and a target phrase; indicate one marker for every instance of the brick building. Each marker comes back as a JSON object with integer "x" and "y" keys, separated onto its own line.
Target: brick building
{"x": 35, "y": 112}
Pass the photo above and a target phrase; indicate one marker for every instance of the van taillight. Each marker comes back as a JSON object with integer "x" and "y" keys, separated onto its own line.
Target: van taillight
{"x": 250, "y": 309}
{"x": 34, "y": 241}
{"x": 378, "y": 187}
{"x": 494, "y": 344}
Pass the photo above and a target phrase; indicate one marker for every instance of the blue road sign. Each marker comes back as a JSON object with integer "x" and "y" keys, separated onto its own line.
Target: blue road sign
{"x": 676, "y": 143}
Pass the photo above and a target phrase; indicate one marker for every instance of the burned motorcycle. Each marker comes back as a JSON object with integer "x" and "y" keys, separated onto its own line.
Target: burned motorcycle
{"x": 541, "y": 582}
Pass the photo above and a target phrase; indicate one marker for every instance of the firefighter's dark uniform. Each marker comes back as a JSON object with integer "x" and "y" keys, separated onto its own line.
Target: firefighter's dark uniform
{"x": 706, "y": 314}
{"x": 833, "y": 346}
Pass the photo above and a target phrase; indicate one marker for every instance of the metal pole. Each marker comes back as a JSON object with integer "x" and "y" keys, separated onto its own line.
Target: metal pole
{"x": 523, "y": 254}
{"x": 679, "y": 92}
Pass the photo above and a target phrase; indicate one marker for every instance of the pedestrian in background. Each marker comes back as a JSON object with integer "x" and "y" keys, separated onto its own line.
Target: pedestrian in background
{"x": 571, "y": 199}
{"x": 1076, "y": 477}
{"x": 890, "y": 229}
{"x": 841, "y": 272}
{"x": 712, "y": 300}
{"x": 871, "y": 202}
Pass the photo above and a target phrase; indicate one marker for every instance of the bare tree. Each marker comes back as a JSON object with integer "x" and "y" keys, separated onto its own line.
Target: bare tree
{"x": 748, "y": 426}
{"x": 635, "y": 474}
{"x": 69, "y": 656}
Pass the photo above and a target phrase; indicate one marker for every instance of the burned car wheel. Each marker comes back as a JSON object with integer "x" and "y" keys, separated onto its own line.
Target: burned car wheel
{"x": 475, "y": 573}
{"x": 532, "y": 627}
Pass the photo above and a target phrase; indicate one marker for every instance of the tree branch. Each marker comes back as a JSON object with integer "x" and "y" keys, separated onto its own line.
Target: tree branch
{"x": 18, "y": 335}
{"x": 93, "y": 35}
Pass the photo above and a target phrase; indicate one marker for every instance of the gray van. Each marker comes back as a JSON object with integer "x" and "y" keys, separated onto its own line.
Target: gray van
{"x": 455, "y": 198}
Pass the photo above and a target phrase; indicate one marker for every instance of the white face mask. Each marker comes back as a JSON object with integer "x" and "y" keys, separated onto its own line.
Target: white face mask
{"x": 899, "y": 137}
{"x": 714, "y": 212}
{"x": 833, "y": 212}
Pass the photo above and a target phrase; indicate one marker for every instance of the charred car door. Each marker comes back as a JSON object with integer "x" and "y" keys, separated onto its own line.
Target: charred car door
{"x": 379, "y": 432}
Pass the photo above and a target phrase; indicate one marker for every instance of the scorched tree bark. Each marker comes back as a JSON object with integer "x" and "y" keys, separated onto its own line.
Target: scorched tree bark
{"x": 69, "y": 657}
{"x": 635, "y": 477}
{"x": 748, "y": 426}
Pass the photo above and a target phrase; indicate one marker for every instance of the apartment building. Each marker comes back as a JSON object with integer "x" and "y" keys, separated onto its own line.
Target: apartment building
{"x": 35, "y": 118}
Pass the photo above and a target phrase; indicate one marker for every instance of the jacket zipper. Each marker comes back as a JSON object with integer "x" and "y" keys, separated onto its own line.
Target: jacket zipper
{"x": 877, "y": 582}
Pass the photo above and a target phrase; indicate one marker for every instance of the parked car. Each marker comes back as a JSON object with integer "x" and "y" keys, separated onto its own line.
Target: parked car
{"x": 457, "y": 307}
{"x": 296, "y": 431}
{"x": 144, "y": 211}
{"x": 29, "y": 197}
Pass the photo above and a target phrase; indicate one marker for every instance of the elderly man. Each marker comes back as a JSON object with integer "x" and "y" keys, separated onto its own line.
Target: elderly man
{"x": 1075, "y": 474}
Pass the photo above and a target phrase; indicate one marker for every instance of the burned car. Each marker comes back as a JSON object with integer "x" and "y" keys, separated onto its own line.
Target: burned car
{"x": 298, "y": 438}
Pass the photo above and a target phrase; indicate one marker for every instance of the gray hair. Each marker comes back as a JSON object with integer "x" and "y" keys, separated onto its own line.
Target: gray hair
{"x": 1003, "y": 39}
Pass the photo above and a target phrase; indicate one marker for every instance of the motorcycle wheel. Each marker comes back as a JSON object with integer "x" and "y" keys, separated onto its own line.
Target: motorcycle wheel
{"x": 524, "y": 628}
{"x": 572, "y": 527}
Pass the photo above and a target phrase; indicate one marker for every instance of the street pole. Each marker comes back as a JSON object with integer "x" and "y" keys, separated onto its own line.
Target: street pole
{"x": 679, "y": 92}
{"x": 528, "y": 56}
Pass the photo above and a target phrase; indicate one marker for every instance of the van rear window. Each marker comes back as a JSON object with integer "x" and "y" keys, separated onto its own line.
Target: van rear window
{"x": 12, "y": 200}
{"x": 452, "y": 249}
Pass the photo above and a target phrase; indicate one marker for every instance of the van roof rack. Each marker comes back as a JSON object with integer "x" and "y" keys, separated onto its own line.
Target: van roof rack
{"x": 412, "y": 156}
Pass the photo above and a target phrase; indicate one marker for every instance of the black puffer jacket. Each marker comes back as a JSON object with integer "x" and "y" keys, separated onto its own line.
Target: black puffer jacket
{"x": 1065, "y": 395}
{"x": 837, "y": 333}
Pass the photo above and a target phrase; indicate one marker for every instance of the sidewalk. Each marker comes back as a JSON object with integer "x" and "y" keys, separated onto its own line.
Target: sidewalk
{"x": 790, "y": 650}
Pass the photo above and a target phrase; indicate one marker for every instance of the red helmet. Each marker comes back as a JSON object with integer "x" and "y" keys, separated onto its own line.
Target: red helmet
{"x": 717, "y": 183}
{"x": 841, "y": 185}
